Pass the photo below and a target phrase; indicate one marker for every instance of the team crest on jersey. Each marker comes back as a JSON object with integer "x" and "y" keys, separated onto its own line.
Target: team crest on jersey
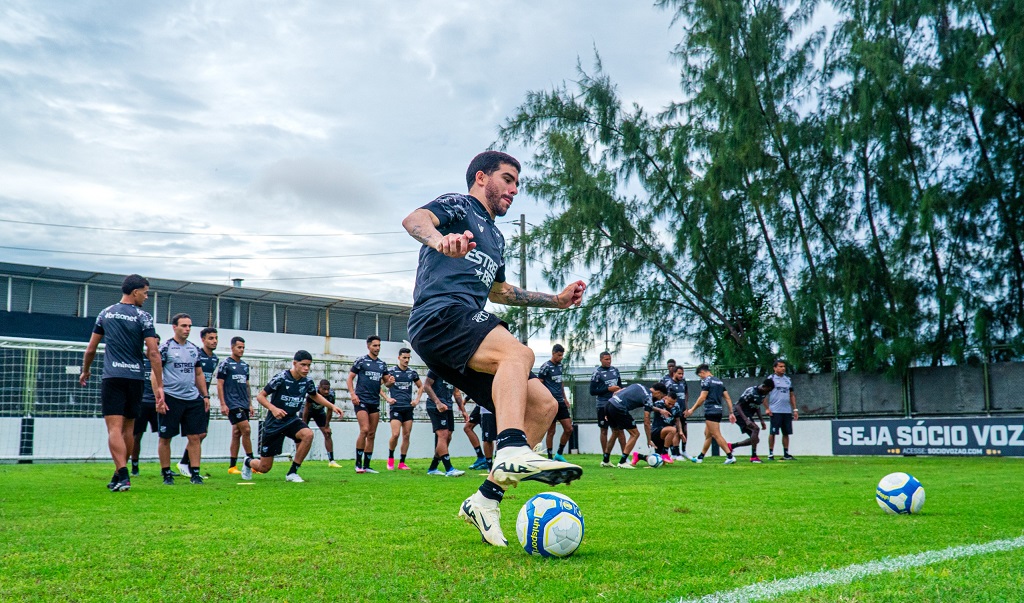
{"x": 481, "y": 316}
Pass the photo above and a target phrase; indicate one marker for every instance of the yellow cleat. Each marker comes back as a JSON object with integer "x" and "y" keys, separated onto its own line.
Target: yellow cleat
{"x": 234, "y": 471}
{"x": 334, "y": 464}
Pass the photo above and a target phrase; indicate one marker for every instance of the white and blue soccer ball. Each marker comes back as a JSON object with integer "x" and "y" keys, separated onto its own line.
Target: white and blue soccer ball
{"x": 551, "y": 525}
{"x": 900, "y": 494}
{"x": 654, "y": 460}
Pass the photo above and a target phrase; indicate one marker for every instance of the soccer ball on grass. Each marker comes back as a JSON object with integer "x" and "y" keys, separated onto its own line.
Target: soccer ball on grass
{"x": 654, "y": 460}
{"x": 900, "y": 494}
{"x": 551, "y": 525}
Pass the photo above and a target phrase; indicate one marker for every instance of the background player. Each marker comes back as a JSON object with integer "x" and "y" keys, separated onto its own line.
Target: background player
{"x": 782, "y": 410}
{"x": 185, "y": 408}
{"x": 441, "y": 397}
{"x": 627, "y": 399}
{"x": 208, "y": 361}
{"x": 365, "y": 392}
{"x": 147, "y": 412}
{"x": 605, "y": 381}
{"x": 283, "y": 397}
{"x": 748, "y": 405}
{"x": 551, "y": 375}
{"x": 712, "y": 393}
{"x": 322, "y": 416}
{"x": 400, "y": 409}
{"x": 677, "y": 383}
{"x": 664, "y": 428}
{"x": 236, "y": 400}
{"x": 126, "y": 328}
{"x": 486, "y": 451}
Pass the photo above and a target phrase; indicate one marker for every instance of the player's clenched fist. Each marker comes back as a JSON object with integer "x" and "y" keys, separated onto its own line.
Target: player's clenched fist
{"x": 456, "y": 245}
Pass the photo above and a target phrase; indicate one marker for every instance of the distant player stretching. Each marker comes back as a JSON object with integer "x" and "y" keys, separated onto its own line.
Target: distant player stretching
{"x": 461, "y": 266}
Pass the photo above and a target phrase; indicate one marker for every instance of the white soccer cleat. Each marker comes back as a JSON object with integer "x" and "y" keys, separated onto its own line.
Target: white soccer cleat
{"x": 246, "y": 472}
{"x": 293, "y": 477}
{"x": 626, "y": 465}
{"x": 513, "y": 465}
{"x": 453, "y": 472}
{"x": 729, "y": 460}
{"x": 370, "y": 471}
{"x": 184, "y": 470}
{"x": 485, "y": 515}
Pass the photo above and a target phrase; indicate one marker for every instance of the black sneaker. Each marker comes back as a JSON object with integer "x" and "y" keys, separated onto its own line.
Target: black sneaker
{"x": 135, "y": 468}
{"x": 122, "y": 485}
{"x": 196, "y": 479}
{"x": 113, "y": 482}
{"x": 771, "y": 457}
{"x": 788, "y": 457}
{"x": 168, "y": 479}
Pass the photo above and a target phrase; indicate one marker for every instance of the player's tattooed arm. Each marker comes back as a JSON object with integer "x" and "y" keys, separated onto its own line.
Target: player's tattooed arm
{"x": 510, "y": 295}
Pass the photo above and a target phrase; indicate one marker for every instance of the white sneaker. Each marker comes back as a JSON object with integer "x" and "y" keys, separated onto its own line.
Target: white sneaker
{"x": 626, "y": 465}
{"x": 696, "y": 459}
{"x": 453, "y": 472}
{"x": 293, "y": 477}
{"x": 184, "y": 470}
{"x": 606, "y": 464}
{"x": 513, "y": 465}
{"x": 485, "y": 515}
{"x": 729, "y": 460}
{"x": 368, "y": 470}
{"x": 246, "y": 472}
{"x": 435, "y": 472}
{"x": 679, "y": 457}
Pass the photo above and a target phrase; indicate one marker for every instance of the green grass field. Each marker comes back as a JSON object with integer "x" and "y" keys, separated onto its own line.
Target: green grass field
{"x": 651, "y": 535}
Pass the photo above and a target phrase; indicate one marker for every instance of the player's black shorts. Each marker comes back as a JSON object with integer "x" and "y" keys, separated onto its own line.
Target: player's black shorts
{"x": 318, "y": 416}
{"x": 367, "y": 408}
{"x": 447, "y": 342}
{"x": 273, "y": 442}
{"x": 746, "y": 424}
{"x": 563, "y": 411}
{"x": 656, "y": 438}
{"x": 602, "y": 416}
{"x": 442, "y": 420}
{"x": 474, "y": 417}
{"x": 488, "y": 426}
{"x": 187, "y": 417}
{"x": 238, "y": 415}
{"x": 782, "y": 421}
{"x": 121, "y": 396}
{"x": 618, "y": 418}
{"x": 147, "y": 416}
{"x": 400, "y": 414}
{"x": 713, "y": 418}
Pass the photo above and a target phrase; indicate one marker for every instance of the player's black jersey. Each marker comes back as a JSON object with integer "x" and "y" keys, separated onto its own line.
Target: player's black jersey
{"x": 632, "y": 397}
{"x": 235, "y": 373}
{"x": 148, "y": 397}
{"x": 678, "y": 387}
{"x": 209, "y": 366}
{"x": 444, "y": 391}
{"x": 369, "y": 373}
{"x": 289, "y": 394}
{"x": 750, "y": 401}
{"x": 124, "y": 328}
{"x": 601, "y": 380}
{"x": 551, "y": 376}
{"x": 313, "y": 404}
{"x": 401, "y": 390}
{"x": 442, "y": 281}
{"x": 659, "y": 422}
{"x": 715, "y": 388}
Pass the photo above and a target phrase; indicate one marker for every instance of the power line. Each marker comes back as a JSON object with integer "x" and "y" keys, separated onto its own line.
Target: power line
{"x": 305, "y": 278}
{"x": 178, "y": 257}
{"x": 203, "y": 233}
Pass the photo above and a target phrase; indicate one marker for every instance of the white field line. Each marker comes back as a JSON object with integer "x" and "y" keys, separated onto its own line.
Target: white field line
{"x": 764, "y": 591}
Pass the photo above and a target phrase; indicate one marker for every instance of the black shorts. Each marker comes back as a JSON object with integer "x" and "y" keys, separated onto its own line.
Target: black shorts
{"x": 121, "y": 397}
{"x": 147, "y": 416}
{"x": 618, "y": 418}
{"x": 442, "y": 420}
{"x": 318, "y": 416}
{"x": 273, "y": 442}
{"x": 367, "y": 408}
{"x": 474, "y": 417}
{"x": 238, "y": 415}
{"x": 656, "y": 438}
{"x": 713, "y": 418}
{"x": 449, "y": 340}
{"x": 602, "y": 417}
{"x": 400, "y": 414}
{"x": 563, "y": 411}
{"x": 782, "y": 421}
{"x": 488, "y": 426}
{"x": 746, "y": 424}
{"x": 187, "y": 417}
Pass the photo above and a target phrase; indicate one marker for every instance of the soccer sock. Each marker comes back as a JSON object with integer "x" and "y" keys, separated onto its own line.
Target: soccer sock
{"x": 246, "y": 462}
{"x": 728, "y": 455}
{"x": 330, "y": 456}
{"x": 479, "y": 452}
{"x": 492, "y": 491}
{"x": 195, "y": 470}
{"x": 122, "y": 473}
{"x": 785, "y": 451}
{"x": 434, "y": 462}
{"x": 184, "y": 459}
{"x": 511, "y": 438}
{"x": 675, "y": 451}
{"x": 402, "y": 459}
{"x": 700, "y": 456}
{"x": 359, "y": 457}
{"x": 294, "y": 469}
{"x": 366, "y": 459}
{"x": 561, "y": 448}
{"x": 447, "y": 460}
{"x": 391, "y": 453}
{"x": 234, "y": 461}
{"x": 623, "y": 459}
{"x": 607, "y": 456}
{"x": 550, "y": 453}
{"x": 249, "y": 455}
{"x": 165, "y": 471}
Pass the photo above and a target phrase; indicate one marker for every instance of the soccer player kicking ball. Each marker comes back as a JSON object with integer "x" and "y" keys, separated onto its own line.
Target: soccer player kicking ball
{"x": 461, "y": 267}
{"x": 287, "y": 393}
{"x": 712, "y": 393}
{"x": 617, "y": 410}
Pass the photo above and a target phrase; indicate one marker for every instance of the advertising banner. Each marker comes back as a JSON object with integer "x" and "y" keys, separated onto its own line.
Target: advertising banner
{"x": 968, "y": 436}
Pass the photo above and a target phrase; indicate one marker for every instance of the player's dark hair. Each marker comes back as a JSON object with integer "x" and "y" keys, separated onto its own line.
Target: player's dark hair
{"x": 235, "y": 340}
{"x": 207, "y": 331}
{"x": 768, "y": 384}
{"x": 325, "y": 382}
{"x": 557, "y": 348}
{"x": 703, "y": 368}
{"x": 671, "y": 361}
{"x": 488, "y": 162}
{"x": 179, "y": 316}
{"x": 660, "y": 387}
{"x": 777, "y": 362}
{"x": 605, "y": 353}
{"x": 671, "y": 394}
{"x": 302, "y": 355}
{"x": 404, "y": 351}
{"x": 678, "y": 368}
{"x": 133, "y": 282}
{"x": 372, "y": 338}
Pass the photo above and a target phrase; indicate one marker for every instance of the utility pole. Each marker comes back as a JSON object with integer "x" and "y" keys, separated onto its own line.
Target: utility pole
{"x": 524, "y": 326}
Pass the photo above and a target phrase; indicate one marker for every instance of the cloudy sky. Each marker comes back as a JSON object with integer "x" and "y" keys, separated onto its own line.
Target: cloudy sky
{"x": 232, "y": 133}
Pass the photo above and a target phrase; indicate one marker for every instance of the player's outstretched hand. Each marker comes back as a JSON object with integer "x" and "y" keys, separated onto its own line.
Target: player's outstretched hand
{"x": 456, "y": 245}
{"x": 572, "y": 295}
